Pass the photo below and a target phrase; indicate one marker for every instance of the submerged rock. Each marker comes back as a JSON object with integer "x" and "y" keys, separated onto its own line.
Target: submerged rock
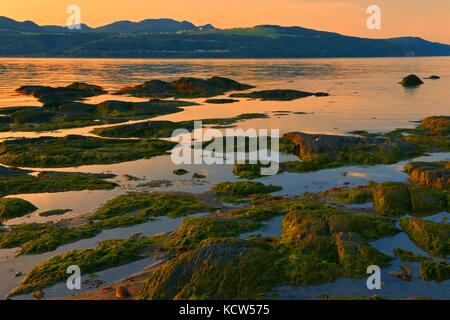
{"x": 411, "y": 81}
{"x": 278, "y": 95}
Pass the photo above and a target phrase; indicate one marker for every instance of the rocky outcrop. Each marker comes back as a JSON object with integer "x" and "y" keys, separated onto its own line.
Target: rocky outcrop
{"x": 222, "y": 269}
{"x": 330, "y": 145}
{"x": 55, "y": 96}
{"x": 433, "y": 237}
{"x": 430, "y": 174}
{"x": 184, "y": 87}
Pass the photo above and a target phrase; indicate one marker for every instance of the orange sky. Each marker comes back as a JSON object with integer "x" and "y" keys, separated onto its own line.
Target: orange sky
{"x": 425, "y": 18}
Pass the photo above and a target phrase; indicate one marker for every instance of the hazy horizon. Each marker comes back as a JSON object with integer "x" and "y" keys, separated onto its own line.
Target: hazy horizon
{"x": 402, "y": 18}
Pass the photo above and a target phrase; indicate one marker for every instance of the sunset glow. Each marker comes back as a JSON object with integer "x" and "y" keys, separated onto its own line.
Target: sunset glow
{"x": 427, "y": 19}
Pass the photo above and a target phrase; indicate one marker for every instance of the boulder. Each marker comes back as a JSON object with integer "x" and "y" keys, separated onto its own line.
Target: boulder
{"x": 411, "y": 81}
{"x": 392, "y": 198}
{"x": 122, "y": 292}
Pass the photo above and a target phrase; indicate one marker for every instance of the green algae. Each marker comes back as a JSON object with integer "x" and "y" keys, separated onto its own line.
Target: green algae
{"x": 53, "y": 182}
{"x": 435, "y": 271}
{"x": 152, "y": 204}
{"x": 236, "y": 191}
{"x": 194, "y": 230}
{"x": 11, "y": 208}
{"x": 221, "y": 269}
{"x": 362, "y": 194}
{"x": 432, "y": 237}
{"x": 400, "y": 198}
{"x": 409, "y": 256}
{"x": 108, "y": 254}
{"x": 55, "y": 212}
{"x": 72, "y": 150}
{"x": 150, "y": 129}
{"x": 123, "y": 211}
{"x": 392, "y": 197}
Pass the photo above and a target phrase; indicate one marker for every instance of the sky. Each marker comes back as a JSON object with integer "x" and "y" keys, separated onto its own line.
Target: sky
{"x": 428, "y": 19}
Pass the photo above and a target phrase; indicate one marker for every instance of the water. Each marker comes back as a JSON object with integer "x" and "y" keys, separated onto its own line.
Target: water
{"x": 364, "y": 95}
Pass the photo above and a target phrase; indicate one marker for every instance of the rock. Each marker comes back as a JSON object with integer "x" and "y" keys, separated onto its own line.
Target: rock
{"x": 435, "y": 271}
{"x": 433, "y": 237}
{"x": 277, "y": 95}
{"x": 321, "y": 94}
{"x": 221, "y": 101}
{"x": 425, "y": 200}
{"x": 38, "y": 295}
{"x": 122, "y": 292}
{"x": 180, "y": 172}
{"x": 306, "y": 144}
{"x": 392, "y": 198}
{"x": 430, "y": 174}
{"x": 198, "y": 176}
{"x": 433, "y": 77}
{"x": 220, "y": 270}
{"x": 411, "y": 81}
{"x": 184, "y": 87}
{"x": 11, "y": 208}
{"x": 18, "y": 274}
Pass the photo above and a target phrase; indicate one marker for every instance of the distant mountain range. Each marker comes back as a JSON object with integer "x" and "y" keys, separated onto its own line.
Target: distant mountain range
{"x": 167, "y": 38}
{"x": 145, "y": 26}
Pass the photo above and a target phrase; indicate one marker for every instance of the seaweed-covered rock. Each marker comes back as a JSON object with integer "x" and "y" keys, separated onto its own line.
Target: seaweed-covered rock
{"x": 435, "y": 271}
{"x": 426, "y": 200}
{"x": 200, "y": 228}
{"x": 222, "y": 269}
{"x": 430, "y": 174}
{"x": 149, "y": 129}
{"x": 392, "y": 198}
{"x": 244, "y": 188}
{"x": 14, "y": 207}
{"x": 340, "y": 239}
{"x": 436, "y": 124}
{"x": 411, "y": 81}
{"x": 409, "y": 256}
{"x": 73, "y": 150}
{"x": 433, "y": 237}
{"x": 330, "y": 145}
{"x": 277, "y": 95}
{"x": 184, "y": 87}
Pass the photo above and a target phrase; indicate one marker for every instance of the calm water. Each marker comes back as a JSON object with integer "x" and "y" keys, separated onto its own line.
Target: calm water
{"x": 364, "y": 94}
